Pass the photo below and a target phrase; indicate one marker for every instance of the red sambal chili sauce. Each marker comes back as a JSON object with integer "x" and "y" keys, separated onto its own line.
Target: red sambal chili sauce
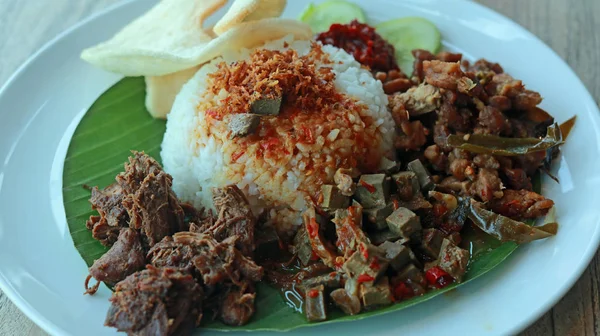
{"x": 361, "y": 41}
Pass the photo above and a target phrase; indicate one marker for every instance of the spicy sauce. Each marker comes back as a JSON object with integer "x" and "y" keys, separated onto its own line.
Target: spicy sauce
{"x": 361, "y": 41}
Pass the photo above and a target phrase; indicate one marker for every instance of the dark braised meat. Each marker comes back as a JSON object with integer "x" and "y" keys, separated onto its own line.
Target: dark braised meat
{"x": 215, "y": 261}
{"x": 108, "y": 204}
{"x": 101, "y": 231}
{"x": 113, "y": 216}
{"x": 235, "y": 219}
{"x": 154, "y": 208}
{"x": 125, "y": 257}
{"x": 156, "y": 302}
{"x": 137, "y": 168}
{"x": 218, "y": 264}
{"x": 238, "y": 304}
{"x": 142, "y": 199}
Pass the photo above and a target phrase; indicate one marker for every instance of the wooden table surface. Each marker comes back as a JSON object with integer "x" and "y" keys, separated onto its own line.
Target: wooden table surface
{"x": 570, "y": 27}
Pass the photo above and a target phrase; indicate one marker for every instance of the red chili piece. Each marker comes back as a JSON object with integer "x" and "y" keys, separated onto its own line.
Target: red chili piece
{"x": 438, "y": 277}
{"x": 396, "y": 204}
{"x": 312, "y": 228}
{"x": 364, "y": 251}
{"x": 368, "y": 186}
{"x": 364, "y": 278}
{"x": 402, "y": 291}
{"x": 313, "y": 293}
{"x": 375, "y": 264}
{"x": 314, "y": 256}
{"x": 361, "y": 41}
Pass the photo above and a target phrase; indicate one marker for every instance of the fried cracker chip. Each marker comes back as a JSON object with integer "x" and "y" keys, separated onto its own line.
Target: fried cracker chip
{"x": 166, "y": 39}
{"x": 169, "y": 39}
{"x": 162, "y": 90}
{"x": 249, "y": 10}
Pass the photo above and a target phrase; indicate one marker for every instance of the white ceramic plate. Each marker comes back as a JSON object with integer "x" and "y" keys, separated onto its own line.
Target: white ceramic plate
{"x": 42, "y": 103}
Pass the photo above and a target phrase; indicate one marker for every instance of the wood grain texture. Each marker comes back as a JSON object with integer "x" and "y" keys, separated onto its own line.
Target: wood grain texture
{"x": 570, "y": 27}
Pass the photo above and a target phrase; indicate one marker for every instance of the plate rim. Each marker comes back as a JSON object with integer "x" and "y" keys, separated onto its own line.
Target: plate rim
{"x": 52, "y": 328}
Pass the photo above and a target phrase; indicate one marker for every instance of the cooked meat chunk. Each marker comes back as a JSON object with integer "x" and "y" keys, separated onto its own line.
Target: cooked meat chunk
{"x": 349, "y": 304}
{"x": 440, "y": 136}
{"x": 457, "y": 120}
{"x": 521, "y": 204}
{"x": 137, "y": 168}
{"x": 242, "y": 124}
{"x": 526, "y": 100}
{"x": 517, "y": 179}
{"x": 235, "y": 218}
{"x": 446, "y": 56}
{"x": 404, "y": 222}
{"x": 432, "y": 242}
{"x": 486, "y": 161}
{"x": 314, "y": 304}
{"x": 502, "y": 103}
{"x": 483, "y": 65}
{"x": 101, "y": 231}
{"x": 418, "y": 100}
{"x": 421, "y": 55}
{"x": 216, "y": 262}
{"x": 412, "y": 273}
{"x": 423, "y": 175}
{"x": 108, "y": 204}
{"x": 377, "y": 294}
{"x": 332, "y": 280}
{"x": 333, "y": 198}
{"x": 453, "y": 260}
{"x": 125, "y": 257}
{"x": 372, "y": 190}
{"x": 443, "y": 75}
{"x": 266, "y": 106}
{"x": 375, "y": 217}
{"x": 438, "y": 159}
{"x": 154, "y": 209}
{"x": 451, "y": 183}
{"x": 491, "y": 121}
{"x": 407, "y": 185}
{"x": 156, "y": 302}
{"x": 398, "y": 254}
{"x": 411, "y": 135}
{"x": 366, "y": 264}
{"x": 141, "y": 199}
{"x": 487, "y": 185}
{"x": 238, "y": 304}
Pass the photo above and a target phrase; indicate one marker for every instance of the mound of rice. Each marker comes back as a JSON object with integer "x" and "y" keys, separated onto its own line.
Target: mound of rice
{"x": 293, "y": 154}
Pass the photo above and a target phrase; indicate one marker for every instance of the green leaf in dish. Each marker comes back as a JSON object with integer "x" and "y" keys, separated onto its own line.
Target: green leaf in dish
{"x": 495, "y": 145}
{"x": 118, "y": 123}
{"x": 407, "y": 34}
{"x": 320, "y": 17}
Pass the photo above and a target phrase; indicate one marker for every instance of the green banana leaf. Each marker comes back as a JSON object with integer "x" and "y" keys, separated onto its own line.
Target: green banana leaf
{"x": 118, "y": 123}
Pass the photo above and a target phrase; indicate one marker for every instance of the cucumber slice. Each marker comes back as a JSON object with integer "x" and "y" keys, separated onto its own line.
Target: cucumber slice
{"x": 321, "y": 17}
{"x": 407, "y": 34}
